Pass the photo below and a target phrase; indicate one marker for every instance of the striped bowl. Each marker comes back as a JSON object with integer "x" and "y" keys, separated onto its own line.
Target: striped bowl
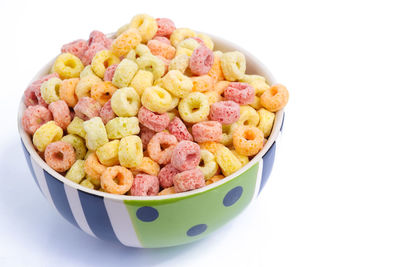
{"x": 156, "y": 221}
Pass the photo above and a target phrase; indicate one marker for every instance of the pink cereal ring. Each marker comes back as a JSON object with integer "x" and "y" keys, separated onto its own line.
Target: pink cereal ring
{"x": 106, "y": 112}
{"x": 201, "y": 60}
{"x": 60, "y": 156}
{"x": 159, "y": 48}
{"x": 145, "y": 185}
{"x": 32, "y": 94}
{"x": 241, "y": 93}
{"x": 91, "y": 52}
{"x": 189, "y": 180}
{"x": 166, "y": 175}
{"x": 156, "y": 144}
{"x": 87, "y": 108}
{"x": 165, "y": 27}
{"x": 61, "y": 114}
{"x": 146, "y": 134}
{"x": 77, "y": 48}
{"x": 97, "y": 37}
{"x": 179, "y": 130}
{"x": 109, "y": 73}
{"x": 207, "y": 131}
{"x": 186, "y": 156}
{"x": 34, "y": 117}
{"x": 153, "y": 121}
{"x": 162, "y": 39}
{"x": 225, "y": 112}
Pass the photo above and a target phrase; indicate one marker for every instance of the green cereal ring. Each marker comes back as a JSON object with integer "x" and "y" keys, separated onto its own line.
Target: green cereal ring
{"x": 210, "y": 166}
{"x": 85, "y": 84}
{"x": 157, "y": 99}
{"x": 76, "y": 173}
{"x": 86, "y": 72}
{"x": 47, "y": 133}
{"x": 131, "y": 55}
{"x": 124, "y": 73}
{"x": 130, "y": 152}
{"x": 122, "y": 126}
{"x": 179, "y": 62}
{"x": 50, "y": 90}
{"x": 181, "y": 34}
{"x": 153, "y": 64}
{"x": 257, "y": 82}
{"x": 78, "y": 143}
{"x": 227, "y": 133}
{"x": 76, "y": 127}
{"x": 87, "y": 183}
{"x": 233, "y": 65}
{"x": 186, "y": 47}
{"x": 177, "y": 83}
{"x": 96, "y": 134}
{"x": 125, "y": 102}
{"x": 108, "y": 153}
{"x": 194, "y": 107}
{"x": 142, "y": 50}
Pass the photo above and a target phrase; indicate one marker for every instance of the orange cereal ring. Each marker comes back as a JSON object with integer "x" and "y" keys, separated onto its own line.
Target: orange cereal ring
{"x": 159, "y": 48}
{"x": 167, "y": 191}
{"x": 275, "y": 98}
{"x": 123, "y": 177}
{"x": 60, "y": 156}
{"x": 67, "y": 91}
{"x": 248, "y": 140}
{"x": 214, "y": 179}
{"x": 211, "y": 146}
{"x": 216, "y": 70}
{"x": 202, "y": 83}
{"x": 93, "y": 167}
{"x": 102, "y": 91}
{"x": 148, "y": 166}
{"x": 156, "y": 144}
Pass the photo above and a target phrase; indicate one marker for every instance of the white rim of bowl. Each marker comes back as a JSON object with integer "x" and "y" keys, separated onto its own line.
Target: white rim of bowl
{"x": 263, "y": 71}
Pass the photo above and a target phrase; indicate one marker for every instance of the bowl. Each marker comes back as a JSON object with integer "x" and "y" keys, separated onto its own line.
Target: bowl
{"x": 156, "y": 221}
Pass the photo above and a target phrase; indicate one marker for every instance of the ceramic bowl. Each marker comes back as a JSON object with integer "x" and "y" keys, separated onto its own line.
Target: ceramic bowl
{"x": 156, "y": 221}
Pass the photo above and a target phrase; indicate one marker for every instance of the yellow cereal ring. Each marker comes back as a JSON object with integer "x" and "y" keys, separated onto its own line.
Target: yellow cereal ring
{"x": 108, "y": 153}
{"x": 172, "y": 114}
{"x": 186, "y": 47}
{"x": 153, "y": 64}
{"x": 76, "y": 127}
{"x": 206, "y": 40}
{"x": 96, "y": 134}
{"x": 243, "y": 159}
{"x": 85, "y": 85}
{"x": 233, "y": 65}
{"x": 141, "y": 81}
{"x": 131, "y": 55}
{"x": 146, "y": 25}
{"x": 211, "y": 146}
{"x": 208, "y": 164}
{"x": 130, "y": 152}
{"x": 93, "y": 168}
{"x": 157, "y": 99}
{"x": 125, "y": 102}
{"x": 179, "y": 62}
{"x": 77, "y": 172}
{"x": 213, "y": 97}
{"x": 147, "y": 165}
{"x": 125, "y": 42}
{"x": 87, "y": 183}
{"x": 227, "y": 161}
{"x": 194, "y": 107}
{"x": 68, "y": 66}
{"x": 257, "y": 82}
{"x": 123, "y": 177}
{"x": 86, "y": 71}
{"x": 122, "y": 29}
{"x": 102, "y": 60}
{"x": 248, "y": 140}
{"x": 67, "y": 91}
{"x": 142, "y": 50}
{"x": 256, "y": 103}
{"x": 181, "y": 34}
{"x": 216, "y": 71}
{"x": 124, "y": 73}
{"x": 202, "y": 83}
{"x": 167, "y": 191}
{"x": 50, "y": 90}
{"x": 227, "y": 133}
{"x": 47, "y": 133}
{"x": 177, "y": 83}
{"x": 214, "y": 179}
{"x": 248, "y": 116}
{"x": 102, "y": 91}
{"x": 78, "y": 144}
{"x": 275, "y": 98}
{"x": 120, "y": 127}
{"x": 266, "y": 121}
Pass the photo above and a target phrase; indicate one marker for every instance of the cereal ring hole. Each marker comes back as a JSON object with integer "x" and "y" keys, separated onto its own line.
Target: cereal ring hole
{"x": 273, "y": 91}
{"x": 209, "y": 60}
{"x": 201, "y": 164}
{"x": 249, "y": 135}
{"x": 58, "y": 156}
{"x": 70, "y": 64}
{"x": 118, "y": 179}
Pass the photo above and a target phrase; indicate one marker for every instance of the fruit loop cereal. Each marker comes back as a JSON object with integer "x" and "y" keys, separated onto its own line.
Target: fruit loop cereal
{"x": 153, "y": 110}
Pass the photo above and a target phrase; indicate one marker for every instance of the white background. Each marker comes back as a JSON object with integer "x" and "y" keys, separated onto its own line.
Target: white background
{"x": 333, "y": 198}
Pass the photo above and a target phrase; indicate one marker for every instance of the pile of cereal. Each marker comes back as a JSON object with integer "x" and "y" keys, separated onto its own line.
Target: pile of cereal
{"x": 152, "y": 111}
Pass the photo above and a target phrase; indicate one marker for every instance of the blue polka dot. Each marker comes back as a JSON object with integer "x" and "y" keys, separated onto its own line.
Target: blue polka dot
{"x": 232, "y": 196}
{"x": 197, "y": 229}
{"x": 147, "y": 214}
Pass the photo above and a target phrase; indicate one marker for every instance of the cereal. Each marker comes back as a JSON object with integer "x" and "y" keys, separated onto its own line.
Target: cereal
{"x": 159, "y": 48}
{"x": 166, "y": 175}
{"x": 141, "y": 81}
{"x": 77, "y": 172}
{"x": 157, "y": 99}
{"x": 76, "y": 48}
{"x": 148, "y": 166}
{"x": 227, "y": 133}
{"x": 86, "y": 72}
{"x": 109, "y": 73}
{"x": 67, "y": 91}
{"x": 257, "y": 82}
{"x": 156, "y": 145}
{"x": 60, "y": 156}
{"x": 187, "y": 46}
{"x": 108, "y": 153}
{"x": 50, "y": 90}
{"x": 188, "y": 180}
{"x": 248, "y": 140}
{"x": 213, "y": 97}
{"x": 33, "y": 95}
{"x": 46, "y": 134}
{"x": 141, "y": 50}
{"x": 87, "y": 108}
{"x": 76, "y": 127}
{"x": 153, "y": 121}
{"x": 207, "y": 131}
{"x": 185, "y": 156}
{"x": 214, "y": 179}
{"x": 94, "y": 168}
{"x": 106, "y": 112}
{"x": 102, "y": 60}
{"x": 266, "y": 121}
{"x": 97, "y": 37}
{"x": 124, "y": 180}
{"x": 220, "y": 86}
{"x": 165, "y": 27}
{"x": 275, "y": 98}
{"x": 145, "y": 185}
{"x": 152, "y": 64}
{"x": 243, "y": 159}
{"x": 85, "y": 85}
{"x": 248, "y": 116}
{"x": 122, "y": 126}
{"x": 181, "y": 34}
{"x": 77, "y": 143}
{"x": 208, "y": 164}
{"x": 202, "y": 83}
{"x": 177, "y": 83}
{"x": 125, "y": 42}
{"x": 146, "y": 134}
{"x": 130, "y": 151}
{"x": 227, "y": 161}
{"x": 180, "y": 63}
{"x": 87, "y": 183}
{"x": 162, "y": 39}
{"x": 225, "y": 112}
{"x": 91, "y": 52}
{"x": 68, "y": 66}
{"x": 216, "y": 71}
{"x": 177, "y": 128}
{"x": 201, "y": 60}
{"x": 194, "y": 107}
{"x": 61, "y": 115}
{"x": 167, "y": 191}
{"x": 241, "y": 93}
{"x": 124, "y": 73}
{"x": 122, "y": 29}
{"x": 206, "y": 40}
{"x": 125, "y": 102}
{"x": 102, "y": 92}
{"x": 146, "y": 25}
{"x": 96, "y": 134}
{"x": 34, "y": 117}
{"x": 233, "y": 65}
